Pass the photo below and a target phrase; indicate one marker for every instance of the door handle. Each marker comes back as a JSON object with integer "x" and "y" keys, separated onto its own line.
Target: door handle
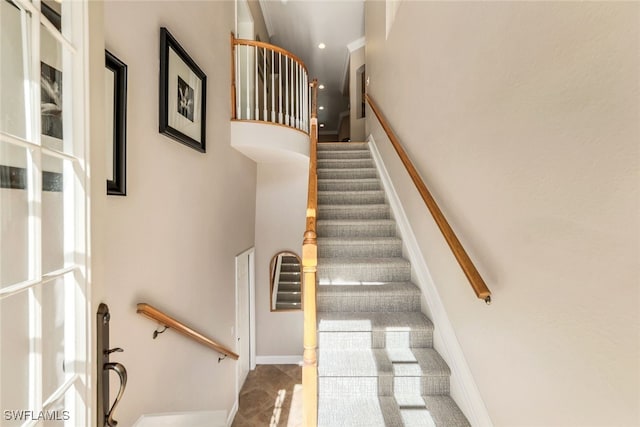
{"x": 122, "y": 374}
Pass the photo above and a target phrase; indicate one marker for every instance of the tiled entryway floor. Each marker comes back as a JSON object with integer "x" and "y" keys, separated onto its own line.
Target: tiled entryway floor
{"x": 271, "y": 396}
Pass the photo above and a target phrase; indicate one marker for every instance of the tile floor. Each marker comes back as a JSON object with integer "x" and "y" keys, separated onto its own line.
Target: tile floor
{"x": 271, "y": 396}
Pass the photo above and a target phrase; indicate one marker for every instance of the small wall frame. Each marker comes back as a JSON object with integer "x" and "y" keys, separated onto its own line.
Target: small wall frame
{"x": 183, "y": 90}
{"x": 116, "y": 124}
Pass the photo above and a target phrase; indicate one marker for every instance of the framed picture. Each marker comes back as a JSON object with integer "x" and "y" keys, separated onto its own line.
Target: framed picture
{"x": 183, "y": 88}
{"x": 116, "y": 124}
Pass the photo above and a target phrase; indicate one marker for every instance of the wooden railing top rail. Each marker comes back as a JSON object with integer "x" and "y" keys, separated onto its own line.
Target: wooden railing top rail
{"x": 168, "y": 321}
{"x": 269, "y": 46}
{"x": 469, "y": 269}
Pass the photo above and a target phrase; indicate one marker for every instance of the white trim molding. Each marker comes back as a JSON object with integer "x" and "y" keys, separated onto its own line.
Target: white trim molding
{"x": 279, "y": 360}
{"x": 463, "y": 387}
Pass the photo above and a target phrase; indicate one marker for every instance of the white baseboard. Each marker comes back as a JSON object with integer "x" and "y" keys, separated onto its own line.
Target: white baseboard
{"x": 464, "y": 389}
{"x": 183, "y": 419}
{"x": 232, "y": 413}
{"x": 279, "y": 360}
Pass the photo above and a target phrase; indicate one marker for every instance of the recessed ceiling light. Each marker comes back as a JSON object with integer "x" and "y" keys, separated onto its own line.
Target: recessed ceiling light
{"x": 321, "y": 87}
{"x": 321, "y": 125}
{"x": 321, "y": 107}
{"x": 322, "y": 46}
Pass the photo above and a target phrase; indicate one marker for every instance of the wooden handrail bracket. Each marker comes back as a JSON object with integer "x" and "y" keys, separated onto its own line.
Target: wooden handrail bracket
{"x": 168, "y": 321}
{"x": 469, "y": 269}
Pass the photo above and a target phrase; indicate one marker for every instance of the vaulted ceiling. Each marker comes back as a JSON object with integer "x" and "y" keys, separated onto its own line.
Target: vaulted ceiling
{"x": 299, "y": 26}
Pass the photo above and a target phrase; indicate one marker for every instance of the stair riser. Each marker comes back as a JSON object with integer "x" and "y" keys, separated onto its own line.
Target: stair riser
{"x": 392, "y": 303}
{"x": 288, "y": 296}
{"x": 345, "y": 164}
{"x": 377, "y": 250}
{"x": 288, "y": 306}
{"x": 347, "y": 173}
{"x": 289, "y": 268}
{"x": 329, "y": 146}
{"x": 348, "y": 185}
{"x": 344, "y": 154}
{"x": 289, "y": 287}
{"x": 375, "y": 339}
{"x": 364, "y": 273}
{"x": 350, "y": 197}
{"x": 290, "y": 276}
{"x": 385, "y": 385}
{"x": 354, "y": 212}
{"x": 355, "y": 230}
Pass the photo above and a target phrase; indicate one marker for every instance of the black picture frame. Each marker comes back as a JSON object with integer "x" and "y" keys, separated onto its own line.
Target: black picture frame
{"x": 183, "y": 89}
{"x": 117, "y": 185}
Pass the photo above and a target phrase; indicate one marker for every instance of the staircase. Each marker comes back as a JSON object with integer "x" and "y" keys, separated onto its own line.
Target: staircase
{"x": 289, "y": 285}
{"x": 376, "y": 362}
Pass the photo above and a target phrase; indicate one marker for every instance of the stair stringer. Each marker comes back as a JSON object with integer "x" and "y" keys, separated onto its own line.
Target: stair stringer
{"x": 464, "y": 390}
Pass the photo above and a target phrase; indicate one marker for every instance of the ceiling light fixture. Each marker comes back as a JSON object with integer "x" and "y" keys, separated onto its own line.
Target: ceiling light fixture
{"x": 321, "y": 107}
{"x": 321, "y": 87}
{"x": 322, "y": 46}
{"x": 321, "y": 125}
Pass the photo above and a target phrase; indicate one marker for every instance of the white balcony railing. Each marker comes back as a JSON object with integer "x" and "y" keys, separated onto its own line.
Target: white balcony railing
{"x": 269, "y": 85}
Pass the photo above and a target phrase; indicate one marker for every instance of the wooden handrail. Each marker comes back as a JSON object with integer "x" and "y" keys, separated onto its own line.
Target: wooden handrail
{"x": 168, "y": 321}
{"x": 269, "y": 46}
{"x": 309, "y": 269}
{"x": 469, "y": 269}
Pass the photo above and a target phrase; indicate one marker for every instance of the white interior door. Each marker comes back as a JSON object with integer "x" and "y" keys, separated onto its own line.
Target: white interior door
{"x": 244, "y": 279}
{"x": 44, "y": 291}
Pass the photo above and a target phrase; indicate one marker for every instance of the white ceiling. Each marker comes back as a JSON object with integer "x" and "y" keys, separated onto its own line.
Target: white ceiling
{"x": 299, "y": 26}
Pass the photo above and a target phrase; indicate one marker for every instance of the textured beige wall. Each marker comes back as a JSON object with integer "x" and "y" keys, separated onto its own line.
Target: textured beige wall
{"x": 522, "y": 117}
{"x": 172, "y": 240}
{"x": 281, "y": 202}
{"x": 356, "y": 60}
{"x": 259, "y": 26}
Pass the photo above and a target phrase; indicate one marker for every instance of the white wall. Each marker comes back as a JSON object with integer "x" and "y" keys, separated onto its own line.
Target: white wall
{"x": 357, "y": 124}
{"x": 523, "y": 120}
{"x": 281, "y": 201}
{"x": 172, "y": 240}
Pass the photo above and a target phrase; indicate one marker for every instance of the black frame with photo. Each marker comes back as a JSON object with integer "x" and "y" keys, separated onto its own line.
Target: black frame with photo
{"x": 184, "y": 91}
{"x": 117, "y": 186}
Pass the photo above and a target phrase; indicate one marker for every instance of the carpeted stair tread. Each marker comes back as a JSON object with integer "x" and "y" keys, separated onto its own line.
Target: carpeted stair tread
{"x": 289, "y": 286}
{"x": 361, "y": 411}
{"x": 380, "y": 362}
{"x": 346, "y": 146}
{"x": 359, "y": 247}
{"x": 344, "y": 154}
{"x": 374, "y": 330}
{"x": 372, "y": 321}
{"x": 359, "y": 270}
{"x": 388, "y": 297}
{"x": 390, "y": 288}
{"x": 347, "y": 173}
{"x": 387, "y": 411}
{"x": 356, "y": 184}
{"x": 443, "y": 411}
{"x": 362, "y": 197}
{"x": 345, "y": 163}
{"x": 347, "y": 228}
{"x": 352, "y": 211}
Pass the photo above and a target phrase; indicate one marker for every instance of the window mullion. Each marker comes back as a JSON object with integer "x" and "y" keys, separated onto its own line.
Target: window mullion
{"x": 34, "y": 188}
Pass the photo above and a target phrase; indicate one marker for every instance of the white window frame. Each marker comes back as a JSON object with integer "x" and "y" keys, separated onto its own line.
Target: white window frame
{"x": 75, "y": 390}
